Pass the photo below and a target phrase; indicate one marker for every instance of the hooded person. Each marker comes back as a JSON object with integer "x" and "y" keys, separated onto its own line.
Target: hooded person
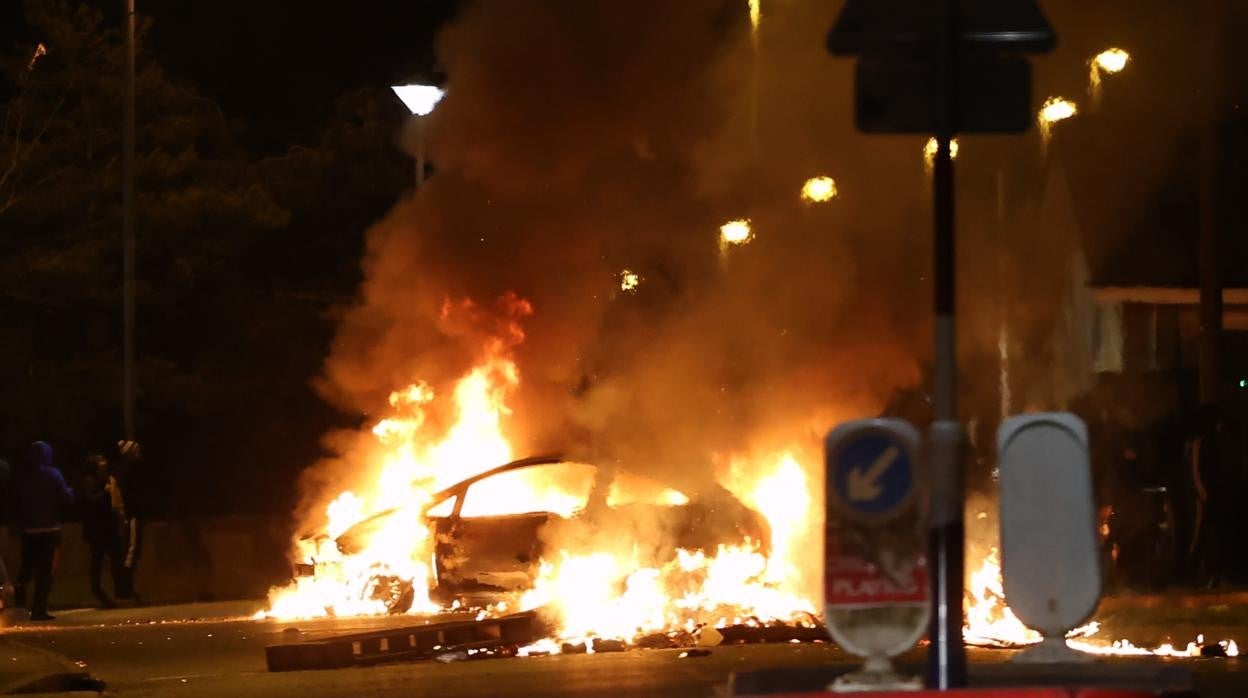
{"x": 40, "y": 501}
{"x": 103, "y": 518}
{"x": 133, "y": 483}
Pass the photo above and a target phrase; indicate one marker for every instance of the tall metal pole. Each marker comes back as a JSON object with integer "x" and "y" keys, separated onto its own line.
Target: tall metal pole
{"x": 946, "y": 655}
{"x": 420, "y": 152}
{"x": 127, "y": 225}
{"x": 1208, "y": 258}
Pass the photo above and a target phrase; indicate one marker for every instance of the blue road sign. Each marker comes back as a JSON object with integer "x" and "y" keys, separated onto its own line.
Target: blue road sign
{"x": 871, "y": 472}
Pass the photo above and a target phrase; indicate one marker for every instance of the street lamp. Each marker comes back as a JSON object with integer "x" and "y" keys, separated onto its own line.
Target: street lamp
{"x": 420, "y": 101}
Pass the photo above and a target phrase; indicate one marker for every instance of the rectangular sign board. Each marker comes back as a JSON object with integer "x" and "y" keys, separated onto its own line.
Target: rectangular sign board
{"x": 900, "y": 95}
{"x": 852, "y": 582}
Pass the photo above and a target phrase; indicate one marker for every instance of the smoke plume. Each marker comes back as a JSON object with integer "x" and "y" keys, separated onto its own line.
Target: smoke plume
{"x": 580, "y": 139}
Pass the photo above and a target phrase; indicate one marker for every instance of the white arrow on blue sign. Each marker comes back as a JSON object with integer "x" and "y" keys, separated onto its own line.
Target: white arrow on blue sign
{"x": 871, "y": 467}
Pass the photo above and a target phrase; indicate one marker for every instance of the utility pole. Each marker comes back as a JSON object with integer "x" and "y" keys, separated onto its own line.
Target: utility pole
{"x": 420, "y": 152}
{"x": 947, "y": 656}
{"x": 127, "y": 227}
{"x": 918, "y": 71}
{"x": 1208, "y": 258}
{"x": 420, "y": 101}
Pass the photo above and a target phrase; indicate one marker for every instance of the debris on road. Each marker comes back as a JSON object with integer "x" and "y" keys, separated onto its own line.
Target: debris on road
{"x": 657, "y": 641}
{"x": 601, "y": 645}
{"x": 480, "y": 638}
{"x": 448, "y": 657}
{"x": 751, "y": 634}
{"x": 709, "y": 637}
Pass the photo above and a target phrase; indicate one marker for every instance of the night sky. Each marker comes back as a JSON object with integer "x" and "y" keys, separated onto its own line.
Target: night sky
{"x": 275, "y": 67}
{"x": 278, "y": 68}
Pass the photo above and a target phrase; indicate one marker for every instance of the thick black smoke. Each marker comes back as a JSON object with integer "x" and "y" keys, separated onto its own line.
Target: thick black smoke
{"x": 578, "y": 139}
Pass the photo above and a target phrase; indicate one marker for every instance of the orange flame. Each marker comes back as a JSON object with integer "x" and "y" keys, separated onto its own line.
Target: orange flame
{"x": 410, "y": 465}
{"x": 990, "y": 622}
{"x": 618, "y": 592}
{"x": 606, "y": 585}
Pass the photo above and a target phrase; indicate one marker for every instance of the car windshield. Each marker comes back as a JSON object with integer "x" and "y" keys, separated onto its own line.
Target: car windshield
{"x": 557, "y": 488}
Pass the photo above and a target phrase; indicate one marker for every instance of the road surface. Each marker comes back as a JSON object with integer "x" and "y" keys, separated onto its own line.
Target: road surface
{"x": 217, "y": 650}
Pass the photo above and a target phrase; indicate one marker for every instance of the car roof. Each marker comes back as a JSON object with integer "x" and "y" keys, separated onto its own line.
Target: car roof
{"x": 457, "y": 488}
{"x": 513, "y": 465}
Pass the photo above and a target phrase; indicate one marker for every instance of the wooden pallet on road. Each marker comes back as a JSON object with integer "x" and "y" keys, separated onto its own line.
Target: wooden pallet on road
{"x": 405, "y": 643}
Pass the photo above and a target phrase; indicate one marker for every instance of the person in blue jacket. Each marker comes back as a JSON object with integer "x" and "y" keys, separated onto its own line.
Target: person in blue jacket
{"x": 40, "y": 501}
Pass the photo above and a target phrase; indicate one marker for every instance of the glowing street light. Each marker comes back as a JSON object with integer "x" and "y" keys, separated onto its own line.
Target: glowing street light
{"x": 733, "y": 233}
{"x": 819, "y": 189}
{"x": 420, "y": 101}
{"x": 929, "y": 152}
{"x": 1055, "y": 109}
{"x": 1111, "y": 61}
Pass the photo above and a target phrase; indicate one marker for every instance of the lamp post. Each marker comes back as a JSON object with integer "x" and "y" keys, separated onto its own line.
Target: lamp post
{"x": 127, "y": 228}
{"x": 420, "y": 101}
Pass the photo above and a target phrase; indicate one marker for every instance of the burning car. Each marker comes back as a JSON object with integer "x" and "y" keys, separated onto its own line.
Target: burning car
{"x": 491, "y": 530}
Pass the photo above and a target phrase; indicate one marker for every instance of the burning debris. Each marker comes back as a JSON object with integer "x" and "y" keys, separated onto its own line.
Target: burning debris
{"x": 446, "y": 642}
{"x": 991, "y": 623}
{"x": 1124, "y": 648}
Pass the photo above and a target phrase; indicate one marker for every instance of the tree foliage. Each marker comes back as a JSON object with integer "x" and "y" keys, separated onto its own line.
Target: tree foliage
{"x": 238, "y": 260}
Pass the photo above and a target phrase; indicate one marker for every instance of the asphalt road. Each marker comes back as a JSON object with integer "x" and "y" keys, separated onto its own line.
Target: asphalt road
{"x": 158, "y": 652}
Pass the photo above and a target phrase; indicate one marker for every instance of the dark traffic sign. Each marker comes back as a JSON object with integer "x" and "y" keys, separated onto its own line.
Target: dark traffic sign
{"x": 899, "y": 79}
{"x": 902, "y": 95}
{"x": 889, "y": 26}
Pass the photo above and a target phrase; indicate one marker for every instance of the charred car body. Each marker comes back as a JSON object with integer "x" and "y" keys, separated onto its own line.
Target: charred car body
{"x": 491, "y": 529}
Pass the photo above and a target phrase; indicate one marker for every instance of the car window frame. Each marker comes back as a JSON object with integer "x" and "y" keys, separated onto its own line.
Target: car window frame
{"x": 463, "y": 488}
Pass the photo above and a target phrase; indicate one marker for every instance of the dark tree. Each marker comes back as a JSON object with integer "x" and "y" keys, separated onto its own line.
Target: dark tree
{"x": 200, "y": 207}
{"x": 240, "y": 262}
